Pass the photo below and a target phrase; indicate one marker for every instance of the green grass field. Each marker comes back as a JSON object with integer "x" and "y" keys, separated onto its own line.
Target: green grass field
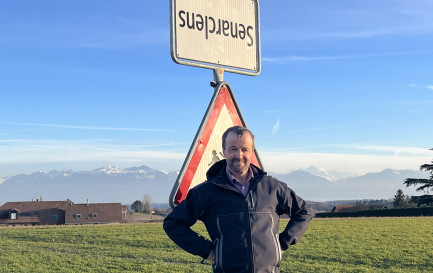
{"x": 329, "y": 245}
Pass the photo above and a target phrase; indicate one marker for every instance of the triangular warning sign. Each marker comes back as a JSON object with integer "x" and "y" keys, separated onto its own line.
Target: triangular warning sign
{"x": 206, "y": 149}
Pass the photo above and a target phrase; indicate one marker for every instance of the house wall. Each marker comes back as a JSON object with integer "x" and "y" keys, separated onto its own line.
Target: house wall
{"x": 46, "y": 216}
{"x": 105, "y": 213}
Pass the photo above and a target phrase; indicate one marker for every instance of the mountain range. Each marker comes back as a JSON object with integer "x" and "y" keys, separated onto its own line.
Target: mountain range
{"x": 379, "y": 185}
{"x": 111, "y": 184}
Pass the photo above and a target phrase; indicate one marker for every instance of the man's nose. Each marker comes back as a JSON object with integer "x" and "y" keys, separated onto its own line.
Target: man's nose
{"x": 238, "y": 153}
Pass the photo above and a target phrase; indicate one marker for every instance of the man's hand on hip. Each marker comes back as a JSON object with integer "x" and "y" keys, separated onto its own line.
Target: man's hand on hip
{"x": 211, "y": 257}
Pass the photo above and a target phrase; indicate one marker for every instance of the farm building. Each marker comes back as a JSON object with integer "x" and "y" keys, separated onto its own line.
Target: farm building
{"x": 33, "y": 213}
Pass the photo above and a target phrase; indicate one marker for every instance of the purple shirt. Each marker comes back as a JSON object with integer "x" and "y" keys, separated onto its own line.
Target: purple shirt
{"x": 242, "y": 188}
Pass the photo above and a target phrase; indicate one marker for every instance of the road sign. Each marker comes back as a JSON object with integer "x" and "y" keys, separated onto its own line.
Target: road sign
{"x": 216, "y": 34}
{"x": 206, "y": 149}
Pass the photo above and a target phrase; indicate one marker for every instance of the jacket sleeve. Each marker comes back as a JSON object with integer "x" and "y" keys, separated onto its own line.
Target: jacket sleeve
{"x": 300, "y": 214}
{"x": 178, "y": 224}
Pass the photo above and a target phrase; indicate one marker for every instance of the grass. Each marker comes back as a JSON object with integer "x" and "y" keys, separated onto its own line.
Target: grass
{"x": 329, "y": 245}
{"x": 364, "y": 245}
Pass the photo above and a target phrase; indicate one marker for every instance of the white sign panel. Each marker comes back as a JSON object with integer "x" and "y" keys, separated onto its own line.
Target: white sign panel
{"x": 216, "y": 33}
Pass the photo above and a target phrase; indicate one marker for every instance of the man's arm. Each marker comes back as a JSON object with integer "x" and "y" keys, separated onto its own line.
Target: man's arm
{"x": 300, "y": 214}
{"x": 178, "y": 224}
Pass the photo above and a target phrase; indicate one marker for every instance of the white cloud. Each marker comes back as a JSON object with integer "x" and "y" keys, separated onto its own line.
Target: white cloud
{"x": 374, "y": 149}
{"x": 276, "y": 126}
{"x": 27, "y": 156}
{"x": 304, "y": 34}
{"x": 84, "y": 127}
{"x": 287, "y": 59}
{"x": 34, "y": 151}
{"x": 365, "y": 21}
{"x": 81, "y": 154}
{"x": 353, "y": 158}
{"x": 429, "y": 87}
{"x": 349, "y": 163}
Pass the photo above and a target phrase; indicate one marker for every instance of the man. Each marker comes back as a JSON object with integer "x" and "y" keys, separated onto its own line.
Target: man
{"x": 240, "y": 206}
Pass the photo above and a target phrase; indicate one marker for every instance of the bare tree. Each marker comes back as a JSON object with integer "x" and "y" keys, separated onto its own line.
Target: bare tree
{"x": 147, "y": 203}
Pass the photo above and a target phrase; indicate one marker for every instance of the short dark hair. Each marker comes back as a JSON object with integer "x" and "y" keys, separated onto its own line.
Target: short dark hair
{"x": 239, "y": 130}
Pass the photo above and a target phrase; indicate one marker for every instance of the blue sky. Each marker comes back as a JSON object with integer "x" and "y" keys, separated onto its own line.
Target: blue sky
{"x": 345, "y": 86}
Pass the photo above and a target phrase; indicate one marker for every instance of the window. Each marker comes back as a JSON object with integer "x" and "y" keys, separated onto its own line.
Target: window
{"x": 94, "y": 215}
{"x": 77, "y": 216}
{"x": 13, "y": 215}
{"x": 54, "y": 217}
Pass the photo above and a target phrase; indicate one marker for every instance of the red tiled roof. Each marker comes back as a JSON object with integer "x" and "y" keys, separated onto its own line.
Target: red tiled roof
{"x": 35, "y": 205}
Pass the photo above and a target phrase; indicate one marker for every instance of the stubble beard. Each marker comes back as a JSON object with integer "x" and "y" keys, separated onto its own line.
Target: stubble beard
{"x": 239, "y": 169}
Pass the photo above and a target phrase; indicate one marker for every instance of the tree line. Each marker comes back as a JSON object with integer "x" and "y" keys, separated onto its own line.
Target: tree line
{"x": 142, "y": 206}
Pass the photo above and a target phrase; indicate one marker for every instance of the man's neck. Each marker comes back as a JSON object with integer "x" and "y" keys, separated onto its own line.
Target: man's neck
{"x": 244, "y": 177}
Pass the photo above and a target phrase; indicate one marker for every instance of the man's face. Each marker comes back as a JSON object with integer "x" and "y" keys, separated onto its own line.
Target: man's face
{"x": 238, "y": 151}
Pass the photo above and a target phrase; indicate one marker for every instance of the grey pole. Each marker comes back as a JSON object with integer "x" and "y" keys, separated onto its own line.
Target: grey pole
{"x": 218, "y": 77}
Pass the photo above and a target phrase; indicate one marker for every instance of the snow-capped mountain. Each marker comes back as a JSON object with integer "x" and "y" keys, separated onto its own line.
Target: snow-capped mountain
{"x": 108, "y": 170}
{"x": 106, "y": 184}
{"x": 328, "y": 175}
{"x": 379, "y": 185}
{"x": 112, "y": 184}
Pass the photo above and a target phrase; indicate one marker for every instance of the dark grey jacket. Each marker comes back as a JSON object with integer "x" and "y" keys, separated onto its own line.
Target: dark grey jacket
{"x": 244, "y": 230}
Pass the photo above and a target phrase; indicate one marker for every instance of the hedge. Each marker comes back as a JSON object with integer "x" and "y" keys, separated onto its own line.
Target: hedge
{"x": 398, "y": 212}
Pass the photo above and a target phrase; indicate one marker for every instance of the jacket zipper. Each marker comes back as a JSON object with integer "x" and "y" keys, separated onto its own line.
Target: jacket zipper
{"x": 277, "y": 243}
{"x": 251, "y": 201}
{"x": 250, "y": 207}
{"x": 218, "y": 249}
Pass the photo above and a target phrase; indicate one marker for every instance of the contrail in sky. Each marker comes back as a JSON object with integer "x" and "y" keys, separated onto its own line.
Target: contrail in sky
{"x": 85, "y": 127}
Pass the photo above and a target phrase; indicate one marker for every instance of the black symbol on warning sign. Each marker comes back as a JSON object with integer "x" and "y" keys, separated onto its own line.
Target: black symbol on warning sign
{"x": 215, "y": 157}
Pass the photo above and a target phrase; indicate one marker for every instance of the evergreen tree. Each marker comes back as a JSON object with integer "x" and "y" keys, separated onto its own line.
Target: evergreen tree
{"x": 137, "y": 206}
{"x": 399, "y": 199}
{"x": 424, "y": 185}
